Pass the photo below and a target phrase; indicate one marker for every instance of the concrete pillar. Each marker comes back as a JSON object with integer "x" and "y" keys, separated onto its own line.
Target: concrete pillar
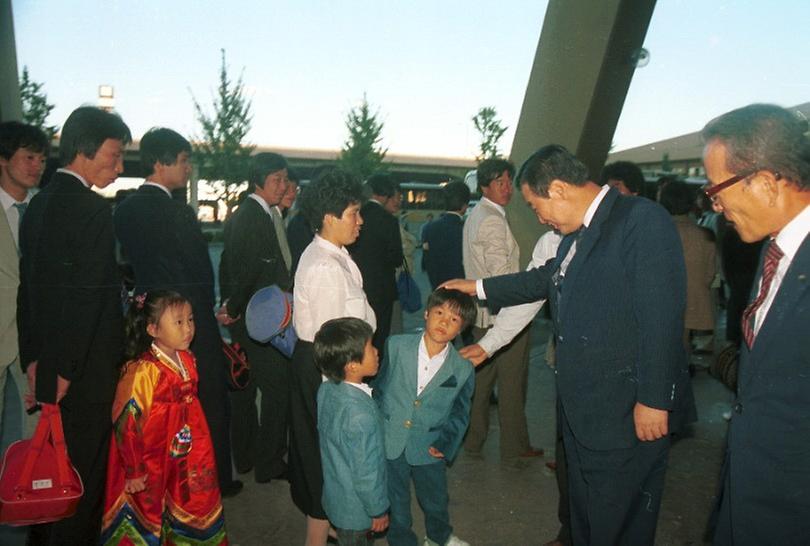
{"x": 10, "y": 104}
{"x": 581, "y": 73}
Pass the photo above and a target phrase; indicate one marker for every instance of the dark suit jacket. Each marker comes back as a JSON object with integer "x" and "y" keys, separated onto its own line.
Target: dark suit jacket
{"x": 70, "y": 316}
{"x": 618, "y": 321}
{"x": 252, "y": 257}
{"x": 165, "y": 246}
{"x": 378, "y": 252}
{"x": 768, "y": 457}
{"x": 443, "y": 260}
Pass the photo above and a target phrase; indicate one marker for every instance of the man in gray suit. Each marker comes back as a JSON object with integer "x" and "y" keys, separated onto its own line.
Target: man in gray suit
{"x": 22, "y": 159}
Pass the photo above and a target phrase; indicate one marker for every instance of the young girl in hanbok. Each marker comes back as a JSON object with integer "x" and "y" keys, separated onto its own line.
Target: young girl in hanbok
{"x": 161, "y": 478}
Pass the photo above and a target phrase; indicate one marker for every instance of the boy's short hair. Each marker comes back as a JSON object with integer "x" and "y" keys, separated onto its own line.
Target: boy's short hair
{"x": 85, "y": 131}
{"x": 161, "y": 145}
{"x": 490, "y": 169}
{"x": 15, "y": 135}
{"x": 339, "y": 342}
{"x": 458, "y": 301}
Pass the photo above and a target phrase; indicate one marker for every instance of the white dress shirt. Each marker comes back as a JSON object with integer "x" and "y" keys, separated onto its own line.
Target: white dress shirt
{"x": 328, "y": 285}
{"x": 362, "y": 387}
{"x": 789, "y": 240}
{"x": 261, "y": 202}
{"x": 156, "y": 185}
{"x": 428, "y": 366}
{"x": 71, "y": 173}
{"x": 512, "y": 320}
{"x": 12, "y": 213}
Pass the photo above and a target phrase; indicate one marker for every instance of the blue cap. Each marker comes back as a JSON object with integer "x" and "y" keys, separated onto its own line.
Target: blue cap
{"x": 268, "y": 313}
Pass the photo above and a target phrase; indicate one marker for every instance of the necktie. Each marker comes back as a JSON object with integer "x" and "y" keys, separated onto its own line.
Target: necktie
{"x": 772, "y": 257}
{"x": 281, "y": 235}
{"x": 20, "y": 212}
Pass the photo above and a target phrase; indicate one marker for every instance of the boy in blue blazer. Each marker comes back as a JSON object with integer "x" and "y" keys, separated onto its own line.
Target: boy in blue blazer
{"x": 424, "y": 393}
{"x": 350, "y": 432}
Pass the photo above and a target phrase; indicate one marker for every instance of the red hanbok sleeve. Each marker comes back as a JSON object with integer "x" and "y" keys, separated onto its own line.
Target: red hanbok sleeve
{"x": 133, "y": 401}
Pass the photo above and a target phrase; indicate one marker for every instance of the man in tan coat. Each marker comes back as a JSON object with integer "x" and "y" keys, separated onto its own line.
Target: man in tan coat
{"x": 700, "y": 254}
{"x": 489, "y": 248}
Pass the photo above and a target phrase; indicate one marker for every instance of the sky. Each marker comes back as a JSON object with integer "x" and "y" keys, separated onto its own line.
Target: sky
{"x": 425, "y": 66}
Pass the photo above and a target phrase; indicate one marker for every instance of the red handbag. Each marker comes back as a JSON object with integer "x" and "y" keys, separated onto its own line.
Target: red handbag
{"x": 238, "y": 366}
{"x": 37, "y": 483}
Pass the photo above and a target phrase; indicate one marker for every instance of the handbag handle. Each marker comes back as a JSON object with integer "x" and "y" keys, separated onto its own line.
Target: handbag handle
{"x": 50, "y": 425}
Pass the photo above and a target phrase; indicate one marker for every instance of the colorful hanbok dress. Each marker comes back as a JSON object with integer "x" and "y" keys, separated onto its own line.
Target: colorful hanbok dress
{"x": 159, "y": 429}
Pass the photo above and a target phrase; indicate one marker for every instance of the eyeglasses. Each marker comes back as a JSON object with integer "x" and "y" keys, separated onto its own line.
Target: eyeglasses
{"x": 712, "y": 191}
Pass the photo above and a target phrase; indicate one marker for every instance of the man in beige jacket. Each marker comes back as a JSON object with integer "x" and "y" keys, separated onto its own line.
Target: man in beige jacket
{"x": 490, "y": 249}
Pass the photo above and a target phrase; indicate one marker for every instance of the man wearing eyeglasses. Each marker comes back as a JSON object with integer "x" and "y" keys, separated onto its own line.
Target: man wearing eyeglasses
{"x": 757, "y": 159}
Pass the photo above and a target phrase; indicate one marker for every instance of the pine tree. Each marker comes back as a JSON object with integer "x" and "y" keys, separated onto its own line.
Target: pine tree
{"x": 489, "y": 126}
{"x": 362, "y": 154}
{"x": 220, "y": 151}
{"x": 35, "y": 106}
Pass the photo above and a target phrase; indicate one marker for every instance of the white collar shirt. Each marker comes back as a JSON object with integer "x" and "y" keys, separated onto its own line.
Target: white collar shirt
{"x": 328, "y": 284}
{"x": 361, "y": 387}
{"x": 76, "y": 175}
{"x": 789, "y": 239}
{"x": 590, "y": 212}
{"x": 428, "y": 366}
{"x": 261, "y": 203}
{"x": 156, "y": 185}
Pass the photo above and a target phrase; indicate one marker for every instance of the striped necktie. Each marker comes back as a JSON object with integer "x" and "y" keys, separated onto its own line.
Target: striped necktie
{"x": 772, "y": 257}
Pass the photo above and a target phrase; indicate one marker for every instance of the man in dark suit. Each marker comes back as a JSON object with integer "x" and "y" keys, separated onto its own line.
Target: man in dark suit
{"x": 757, "y": 161}
{"x": 252, "y": 259}
{"x": 442, "y": 252}
{"x": 617, "y": 290}
{"x": 70, "y": 320}
{"x": 163, "y": 242}
{"x": 378, "y": 252}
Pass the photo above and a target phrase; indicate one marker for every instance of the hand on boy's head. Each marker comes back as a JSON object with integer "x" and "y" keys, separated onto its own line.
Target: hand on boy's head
{"x": 380, "y": 524}
{"x": 462, "y": 285}
{"x": 435, "y": 453}
{"x": 474, "y": 353}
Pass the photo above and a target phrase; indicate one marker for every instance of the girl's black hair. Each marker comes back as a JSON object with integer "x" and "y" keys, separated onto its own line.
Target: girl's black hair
{"x": 146, "y": 309}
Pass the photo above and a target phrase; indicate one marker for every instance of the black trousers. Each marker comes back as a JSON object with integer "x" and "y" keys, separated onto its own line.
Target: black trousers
{"x": 306, "y": 475}
{"x": 213, "y": 393}
{"x": 615, "y": 494}
{"x": 383, "y": 308}
{"x": 259, "y": 437}
{"x": 87, "y": 428}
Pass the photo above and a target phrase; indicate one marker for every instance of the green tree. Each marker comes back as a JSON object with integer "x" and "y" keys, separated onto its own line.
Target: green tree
{"x": 362, "y": 154}
{"x": 35, "y": 105}
{"x": 220, "y": 151}
{"x": 489, "y": 126}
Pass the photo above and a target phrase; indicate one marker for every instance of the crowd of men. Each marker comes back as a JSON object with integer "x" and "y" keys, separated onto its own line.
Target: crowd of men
{"x": 615, "y": 277}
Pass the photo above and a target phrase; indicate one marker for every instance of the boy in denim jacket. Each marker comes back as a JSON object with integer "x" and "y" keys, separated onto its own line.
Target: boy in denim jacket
{"x": 350, "y": 432}
{"x": 424, "y": 392}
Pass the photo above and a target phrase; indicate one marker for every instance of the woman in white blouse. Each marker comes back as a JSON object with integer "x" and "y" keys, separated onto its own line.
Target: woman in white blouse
{"x": 328, "y": 285}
